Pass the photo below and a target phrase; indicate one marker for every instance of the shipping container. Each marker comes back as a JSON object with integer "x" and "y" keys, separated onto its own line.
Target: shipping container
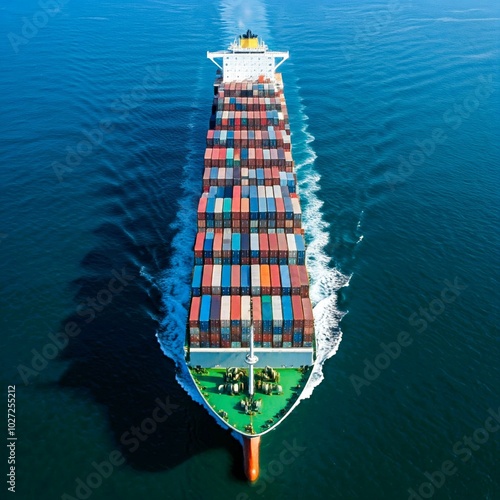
{"x": 216, "y": 279}
{"x": 246, "y": 316}
{"x": 194, "y": 313}
{"x": 206, "y": 283}
{"x": 295, "y": 279}
{"x": 267, "y": 314}
{"x": 265, "y": 279}
{"x": 308, "y": 313}
{"x": 205, "y": 308}
{"x": 286, "y": 303}
{"x": 196, "y": 281}
{"x": 245, "y": 280}
{"x": 235, "y": 280}
{"x": 225, "y": 313}
{"x": 304, "y": 281}
{"x": 301, "y": 249}
{"x": 255, "y": 279}
{"x": 226, "y": 280}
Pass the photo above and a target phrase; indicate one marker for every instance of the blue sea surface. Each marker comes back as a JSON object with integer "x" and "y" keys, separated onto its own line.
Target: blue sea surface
{"x": 394, "y": 109}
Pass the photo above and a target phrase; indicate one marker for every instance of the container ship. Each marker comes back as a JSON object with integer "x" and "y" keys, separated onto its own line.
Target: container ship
{"x": 250, "y": 342}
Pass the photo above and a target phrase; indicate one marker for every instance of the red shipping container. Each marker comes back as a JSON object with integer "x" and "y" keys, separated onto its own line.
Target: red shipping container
{"x": 298, "y": 314}
{"x": 198, "y": 245}
{"x": 280, "y": 209}
{"x": 264, "y": 245}
{"x": 217, "y": 246}
{"x": 202, "y": 208}
{"x": 308, "y": 313}
{"x": 235, "y": 282}
{"x": 236, "y": 207}
{"x": 194, "y": 313}
{"x": 275, "y": 280}
{"x": 273, "y": 246}
{"x": 259, "y": 157}
{"x": 210, "y": 138}
{"x": 276, "y": 175}
{"x": 206, "y": 280}
{"x": 282, "y": 246}
{"x": 295, "y": 279}
{"x": 257, "y": 311}
{"x": 236, "y": 311}
{"x": 304, "y": 281}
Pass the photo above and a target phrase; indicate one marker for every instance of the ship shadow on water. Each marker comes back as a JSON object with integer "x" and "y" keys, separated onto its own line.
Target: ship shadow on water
{"x": 117, "y": 359}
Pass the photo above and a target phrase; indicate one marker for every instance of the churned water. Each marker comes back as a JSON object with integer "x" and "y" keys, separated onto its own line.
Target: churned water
{"x": 394, "y": 109}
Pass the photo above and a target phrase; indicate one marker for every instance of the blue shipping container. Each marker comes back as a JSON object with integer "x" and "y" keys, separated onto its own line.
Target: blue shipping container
{"x": 245, "y": 280}
{"x": 196, "y": 283}
{"x": 205, "y": 312}
{"x": 226, "y": 280}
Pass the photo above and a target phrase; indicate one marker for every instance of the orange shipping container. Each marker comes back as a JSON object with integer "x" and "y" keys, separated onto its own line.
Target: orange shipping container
{"x": 265, "y": 280}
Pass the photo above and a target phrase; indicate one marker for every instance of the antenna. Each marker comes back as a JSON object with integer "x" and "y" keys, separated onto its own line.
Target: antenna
{"x": 251, "y": 359}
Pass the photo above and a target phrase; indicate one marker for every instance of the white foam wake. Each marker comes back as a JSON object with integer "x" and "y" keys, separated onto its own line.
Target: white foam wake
{"x": 325, "y": 279}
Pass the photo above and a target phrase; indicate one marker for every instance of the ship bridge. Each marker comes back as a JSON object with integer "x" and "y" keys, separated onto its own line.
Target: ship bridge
{"x": 248, "y": 58}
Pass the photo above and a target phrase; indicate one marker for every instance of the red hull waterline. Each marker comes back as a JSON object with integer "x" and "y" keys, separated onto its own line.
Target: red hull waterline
{"x": 251, "y": 450}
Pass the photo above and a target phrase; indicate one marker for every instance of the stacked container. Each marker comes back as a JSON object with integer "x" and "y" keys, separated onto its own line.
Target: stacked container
{"x": 249, "y": 252}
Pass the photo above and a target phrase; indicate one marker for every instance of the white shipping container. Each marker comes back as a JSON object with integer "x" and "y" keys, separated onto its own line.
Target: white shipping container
{"x": 297, "y": 211}
{"x": 216, "y": 279}
{"x": 254, "y": 241}
{"x": 246, "y": 317}
{"x": 225, "y": 311}
{"x": 277, "y": 312}
{"x": 292, "y": 246}
{"x": 255, "y": 278}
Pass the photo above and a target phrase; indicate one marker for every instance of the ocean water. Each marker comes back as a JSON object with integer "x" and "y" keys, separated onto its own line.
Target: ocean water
{"x": 394, "y": 109}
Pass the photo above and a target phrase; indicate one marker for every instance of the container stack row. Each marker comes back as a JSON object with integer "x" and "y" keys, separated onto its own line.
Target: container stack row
{"x": 232, "y": 248}
{"x": 224, "y": 177}
{"x": 249, "y": 157}
{"x": 249, "y": 250}
{"x": 250, "y": 120}
{"x": 250, "y": 279}
{"x": 252, "y": 214}
{"x": 269, "y": 138}
{"x": 225, "y": 321}
{"x": 248, "y": 104}
{"x": 248, "y": 89}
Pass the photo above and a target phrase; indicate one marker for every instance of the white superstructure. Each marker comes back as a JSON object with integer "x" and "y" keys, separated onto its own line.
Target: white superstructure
{"x": 248, "y": 58}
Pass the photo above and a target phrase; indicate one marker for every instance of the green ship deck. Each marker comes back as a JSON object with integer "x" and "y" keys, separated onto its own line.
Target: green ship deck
{"x": 274, "y": 407}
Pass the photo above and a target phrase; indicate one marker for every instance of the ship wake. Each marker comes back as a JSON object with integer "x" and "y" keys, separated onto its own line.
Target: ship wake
{"x": 325, "y": 279}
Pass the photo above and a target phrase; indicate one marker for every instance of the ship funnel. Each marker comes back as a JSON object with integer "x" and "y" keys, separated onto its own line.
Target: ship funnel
{"x": 249, "y": 40}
